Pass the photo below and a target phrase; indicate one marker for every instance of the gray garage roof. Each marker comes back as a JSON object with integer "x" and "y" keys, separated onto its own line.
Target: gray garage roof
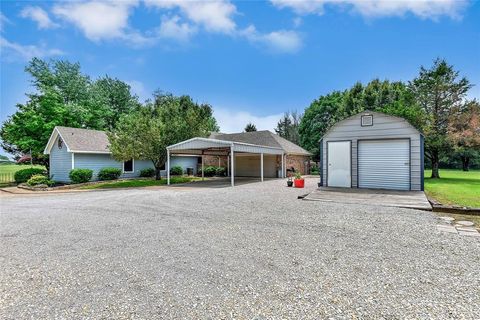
{"x": 263, "y": 138}
{"x": 80, "y": 140}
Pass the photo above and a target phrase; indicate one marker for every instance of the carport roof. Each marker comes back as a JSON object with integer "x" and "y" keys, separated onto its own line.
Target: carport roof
{"x": 215, "y": 146}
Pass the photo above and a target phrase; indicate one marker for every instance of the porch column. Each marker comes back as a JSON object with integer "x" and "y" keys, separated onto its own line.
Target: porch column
{"x": 168, "y": 167}
{"x": 203, "y": 171}
{"x": 232, "y": 164}
{"x": 261, "y": 166}
{"x": 283, "y": 168}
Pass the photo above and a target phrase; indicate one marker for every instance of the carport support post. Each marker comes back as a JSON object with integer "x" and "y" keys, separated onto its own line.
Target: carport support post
{"x": 232, "y": 170}
{"x": 261, "y": 166}
{"x": 283, "y": 168}
{"x": 203, "y": 171}
{"x": 168, "y": 167}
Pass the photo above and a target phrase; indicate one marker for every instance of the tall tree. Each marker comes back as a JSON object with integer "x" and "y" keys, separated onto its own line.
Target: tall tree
{"x": 250, "y": 127}
{"x": 146, "y": 133}
{"x": 63, "y": 96}
{"x": 438, "y": 90}
{"x": 288, "y": 127}
{"x": 464, "y": 131}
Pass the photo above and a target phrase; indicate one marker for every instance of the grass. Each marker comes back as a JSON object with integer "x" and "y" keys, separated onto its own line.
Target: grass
{"x": 455, "y": 187}
{"x": 138, "y": 183}
{"x": 8, "y": 170}
{"x": 12, "y": 168}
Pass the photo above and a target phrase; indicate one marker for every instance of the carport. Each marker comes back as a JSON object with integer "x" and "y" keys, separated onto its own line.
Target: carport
{"x": 231, "y": 149}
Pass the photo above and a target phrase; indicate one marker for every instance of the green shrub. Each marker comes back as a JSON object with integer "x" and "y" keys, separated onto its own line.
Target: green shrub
{"x": 23, "y": 175}
{"x": 80, "y": 175}
{"x": 109, "y": 174}
{"x": 220, "y": 171}
{"x": 210, "y": 171}
{"x": 176, "y": 171}
{"x": 147, "y": 173}
{"x": 38, "y": 179}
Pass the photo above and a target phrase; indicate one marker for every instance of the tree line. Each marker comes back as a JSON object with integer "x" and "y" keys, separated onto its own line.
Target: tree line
{"x": 434, "y": 102}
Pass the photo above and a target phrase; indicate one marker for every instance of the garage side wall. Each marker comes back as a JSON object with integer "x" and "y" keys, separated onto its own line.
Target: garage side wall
{"x": 384, "y": 127}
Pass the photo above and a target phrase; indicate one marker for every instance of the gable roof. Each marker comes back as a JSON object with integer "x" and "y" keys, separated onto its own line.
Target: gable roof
{"x": 80, "y": 140}
{"x": 262, "y": 138}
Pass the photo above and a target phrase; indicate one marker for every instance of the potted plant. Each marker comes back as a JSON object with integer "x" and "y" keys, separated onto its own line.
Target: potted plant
{"x": 289, "y": 180}
{"x": 299, "y": 181}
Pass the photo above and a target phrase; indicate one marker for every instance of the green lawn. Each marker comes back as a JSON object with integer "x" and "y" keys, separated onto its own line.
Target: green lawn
{"x": 12, "y": 168}
{"x": 455, "y": 187}
{"x": 137, "y": 183}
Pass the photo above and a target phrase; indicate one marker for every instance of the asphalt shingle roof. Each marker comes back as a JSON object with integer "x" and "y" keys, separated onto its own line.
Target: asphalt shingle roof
{"x": 262, "y": 138}
{"x": 86, "y": 140}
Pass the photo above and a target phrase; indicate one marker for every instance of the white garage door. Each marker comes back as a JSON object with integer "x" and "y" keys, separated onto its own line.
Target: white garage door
{"x": 249, "y": 166}
{"x": 384, "y": 164}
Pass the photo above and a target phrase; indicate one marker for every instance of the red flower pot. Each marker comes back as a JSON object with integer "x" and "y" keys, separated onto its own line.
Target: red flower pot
{"x": 299, "y": 183}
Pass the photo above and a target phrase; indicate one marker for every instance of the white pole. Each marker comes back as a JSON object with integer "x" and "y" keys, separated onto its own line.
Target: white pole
{"x": 168, "y": 167}
{"x": 232, "y": 165}
{"x": 261, "y": 167}
{"x": 203, "y": 171}
{"x": 283, "y": 168}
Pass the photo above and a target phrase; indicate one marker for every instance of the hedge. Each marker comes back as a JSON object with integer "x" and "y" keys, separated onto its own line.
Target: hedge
{"x": 23, "y": 175}
{"x": 109, "y": 174}
{"x": 80, "y": 175}
{"x": 38, "y": 179}
{"x": 176, "y": 171}
{"x": 147, "y": 173}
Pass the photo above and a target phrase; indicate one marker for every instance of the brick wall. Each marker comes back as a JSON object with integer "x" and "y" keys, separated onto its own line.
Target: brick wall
{"x": 297, "y": 162}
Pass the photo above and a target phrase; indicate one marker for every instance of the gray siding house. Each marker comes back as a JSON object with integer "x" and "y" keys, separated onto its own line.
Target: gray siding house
{"x": 73, "y": 148}
{"x": 372, "y": 150}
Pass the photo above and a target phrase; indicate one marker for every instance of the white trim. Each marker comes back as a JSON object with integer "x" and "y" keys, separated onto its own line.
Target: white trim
{"x": 51, "y": 140}
{"x": 232, "y": 165}
{"x": 92, "y": 152}
{"x": 73, "y": 160}
{"x": 133, "y": 167}
{"x": 168, "y": 167}
{"x": 224, "y": 142}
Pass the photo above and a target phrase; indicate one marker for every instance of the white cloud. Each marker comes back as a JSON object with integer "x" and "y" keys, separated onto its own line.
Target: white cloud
{"x": 235, "y": 121}
{"x": 3, "y": 21}
{"x": 281, "y": 41}
{"x": 213, "y": 15}
{"x": 425, "y": 9}
{"x": 40, "y": 16}
{"x": 12, "y": 50}
{"x": 138, "y": 88}
{"x": 102, "y": 20}
{"x": 172, "y": 28}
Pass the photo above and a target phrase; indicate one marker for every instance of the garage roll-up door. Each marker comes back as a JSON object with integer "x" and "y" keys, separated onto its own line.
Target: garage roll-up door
{"x": 384, "y": 164}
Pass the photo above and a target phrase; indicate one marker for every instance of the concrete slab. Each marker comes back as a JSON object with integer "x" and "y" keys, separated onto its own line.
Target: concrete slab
{"x": 389, "y": 198}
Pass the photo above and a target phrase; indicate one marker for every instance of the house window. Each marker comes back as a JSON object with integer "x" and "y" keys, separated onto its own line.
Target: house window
{"x": 60, "y": 143}
{"x": 128, "y": 166}
{"x": 367, "y": 120}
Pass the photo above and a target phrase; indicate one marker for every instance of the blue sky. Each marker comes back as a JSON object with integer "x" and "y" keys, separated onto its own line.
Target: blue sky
{"x": 252, "y": 60}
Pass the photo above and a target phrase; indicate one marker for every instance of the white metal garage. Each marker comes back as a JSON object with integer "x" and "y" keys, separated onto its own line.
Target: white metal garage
{"x": 372, "y": 150}
{"x": 384, "y": 164}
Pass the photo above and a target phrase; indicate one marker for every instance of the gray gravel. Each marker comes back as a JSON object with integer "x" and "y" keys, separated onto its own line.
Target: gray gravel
{"x": 252, "y": 252}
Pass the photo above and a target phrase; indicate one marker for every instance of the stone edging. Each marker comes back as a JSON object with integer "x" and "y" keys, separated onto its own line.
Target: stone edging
{"x": 438, "y": 207}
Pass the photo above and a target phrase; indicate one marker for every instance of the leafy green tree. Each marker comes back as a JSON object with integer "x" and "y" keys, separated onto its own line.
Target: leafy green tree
{"x": 288, "y": 127}
{"x": 146, "y": 133}
{"x": 464, "y": 132}
{"x": 250, "y": 127}
{"x": 63, "y": 96}
{"x": 438, "y": 90}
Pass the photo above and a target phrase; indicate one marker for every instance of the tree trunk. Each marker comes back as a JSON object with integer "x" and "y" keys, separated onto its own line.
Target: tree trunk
{"x": 435, "y": 164}
{"x": 465, "y": 163}
{"x": 157, "y": 173}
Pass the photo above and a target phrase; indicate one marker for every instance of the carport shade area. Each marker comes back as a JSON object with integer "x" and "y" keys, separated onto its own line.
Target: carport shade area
{"x": 243, "y": 159}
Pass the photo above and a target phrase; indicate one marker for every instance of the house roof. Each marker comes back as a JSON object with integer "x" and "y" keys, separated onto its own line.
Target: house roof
{"x": 80, "y": 140}
{"x": 262, "y": 138}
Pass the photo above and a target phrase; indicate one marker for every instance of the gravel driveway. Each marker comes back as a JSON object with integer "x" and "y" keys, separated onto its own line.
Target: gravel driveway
{"x": 249, "y": 252}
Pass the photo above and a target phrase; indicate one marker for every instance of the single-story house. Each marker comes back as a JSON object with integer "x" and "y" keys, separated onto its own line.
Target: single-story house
{"x": 247, "y": 154}
{"x": 73, "y": 148}
{"x": 372, "y": 150}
